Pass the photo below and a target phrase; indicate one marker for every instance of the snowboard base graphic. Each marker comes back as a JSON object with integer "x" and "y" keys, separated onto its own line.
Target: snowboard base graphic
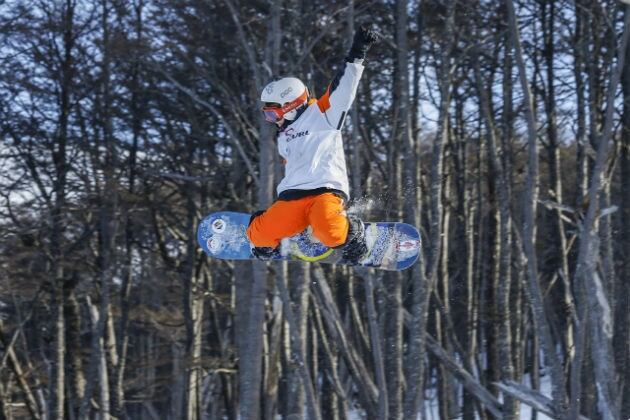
{"x": 392, "y": 246}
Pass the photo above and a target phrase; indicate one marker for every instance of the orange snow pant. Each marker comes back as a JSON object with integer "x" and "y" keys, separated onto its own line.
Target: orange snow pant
{"x": 325, "y": 213}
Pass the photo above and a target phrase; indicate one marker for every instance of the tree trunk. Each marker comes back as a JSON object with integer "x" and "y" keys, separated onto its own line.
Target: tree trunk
{"x": 586, "y": 272}
{"x": 107, "y": 227}
{"x": 335, "y": 400}
{"x": 298, "y": 280}
{"x": 195, "y": 371}
{"x": 136, "y": 105}
{"x": 580, "y": 51}
{"x": 414, "y": 400}
{"x": 101, "y": 357}
{"x": 503, "y": 272}
{"x": 367, "y": 391}
{"x": 622, "y": 315}
{"x": 300, "y": 355}
{"x": 57, "y": 400}
{"x": 530, "y": 200}
{"x": 250, "y": 354}
{"x": 560, "y": 252}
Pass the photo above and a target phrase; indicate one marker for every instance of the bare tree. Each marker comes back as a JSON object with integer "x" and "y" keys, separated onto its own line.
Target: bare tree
{"x": 586, "y": 272}
{"x": 530, "y": 200}
{"x": 415, "y": 400}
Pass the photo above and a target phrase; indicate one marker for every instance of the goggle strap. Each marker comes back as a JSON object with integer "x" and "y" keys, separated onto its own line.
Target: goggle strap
{"x": 290, "y": 106}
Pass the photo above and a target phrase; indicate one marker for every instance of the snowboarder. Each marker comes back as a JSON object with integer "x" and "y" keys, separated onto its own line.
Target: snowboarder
{"x": 315, "y": 188}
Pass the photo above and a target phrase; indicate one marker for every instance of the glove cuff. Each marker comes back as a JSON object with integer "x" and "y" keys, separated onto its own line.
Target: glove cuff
{"x": 357, "y": 52}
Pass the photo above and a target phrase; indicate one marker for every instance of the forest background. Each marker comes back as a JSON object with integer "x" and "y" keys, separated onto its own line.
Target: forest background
{"x": 500, "y": 128}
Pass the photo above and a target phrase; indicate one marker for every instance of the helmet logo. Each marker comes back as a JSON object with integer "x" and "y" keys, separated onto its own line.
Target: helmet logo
{"x": 286, "y": 92}
{"x": 269, "y": 88}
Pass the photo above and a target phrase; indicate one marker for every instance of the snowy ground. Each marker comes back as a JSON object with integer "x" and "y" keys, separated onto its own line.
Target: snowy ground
{"x": 526, "y": 414}
{"x": 432, "y": 413}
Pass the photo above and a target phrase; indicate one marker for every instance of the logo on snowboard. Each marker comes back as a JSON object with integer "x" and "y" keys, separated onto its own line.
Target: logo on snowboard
{"x": 218, "y": 226}
{"x": 214, "y": 244}
{"x": 408, "y": 245}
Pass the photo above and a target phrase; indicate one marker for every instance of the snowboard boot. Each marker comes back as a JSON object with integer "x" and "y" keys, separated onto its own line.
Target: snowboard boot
{"x": 266, "y": 253}
{"x": 355, "y": 248}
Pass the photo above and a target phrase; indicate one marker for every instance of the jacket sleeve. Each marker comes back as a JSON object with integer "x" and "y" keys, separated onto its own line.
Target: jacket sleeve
{"x": 336, "y": 101}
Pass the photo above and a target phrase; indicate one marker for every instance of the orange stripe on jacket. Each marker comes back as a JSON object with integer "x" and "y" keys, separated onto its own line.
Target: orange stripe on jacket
{"x": 324, "y": 102}
{"x": 325, "y": 213}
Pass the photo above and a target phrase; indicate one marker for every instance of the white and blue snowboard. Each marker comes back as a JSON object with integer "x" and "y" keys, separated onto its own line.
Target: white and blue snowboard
{"x": 392, "y": 246}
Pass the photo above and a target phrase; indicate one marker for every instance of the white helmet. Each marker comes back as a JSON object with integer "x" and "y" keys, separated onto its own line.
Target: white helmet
{"x": 283, "y": 97}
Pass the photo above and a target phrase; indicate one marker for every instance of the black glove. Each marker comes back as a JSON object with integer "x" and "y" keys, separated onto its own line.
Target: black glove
{"x": 255, "y": 215}
{"x": 265, "y": 253}
{"x": 363, "y": 40}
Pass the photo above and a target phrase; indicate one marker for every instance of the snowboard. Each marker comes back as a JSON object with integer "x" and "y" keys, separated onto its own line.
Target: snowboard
{"x": 392, "y": 246}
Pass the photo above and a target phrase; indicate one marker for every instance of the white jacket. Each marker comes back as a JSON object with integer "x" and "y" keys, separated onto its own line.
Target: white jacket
{"x": 312, "y": 147}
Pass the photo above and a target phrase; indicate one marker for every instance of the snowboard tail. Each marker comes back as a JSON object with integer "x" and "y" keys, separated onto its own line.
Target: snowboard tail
{"x": 391, "y": 246}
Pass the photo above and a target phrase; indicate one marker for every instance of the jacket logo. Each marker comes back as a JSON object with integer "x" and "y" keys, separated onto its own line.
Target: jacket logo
{"x": 290, "y": 134}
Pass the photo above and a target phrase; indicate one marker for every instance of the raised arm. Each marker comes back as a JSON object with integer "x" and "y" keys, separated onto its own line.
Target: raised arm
{"x": 341, "y": 92}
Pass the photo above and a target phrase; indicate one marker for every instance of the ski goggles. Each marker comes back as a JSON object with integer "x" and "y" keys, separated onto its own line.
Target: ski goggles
{"x": 274, "y": 113}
